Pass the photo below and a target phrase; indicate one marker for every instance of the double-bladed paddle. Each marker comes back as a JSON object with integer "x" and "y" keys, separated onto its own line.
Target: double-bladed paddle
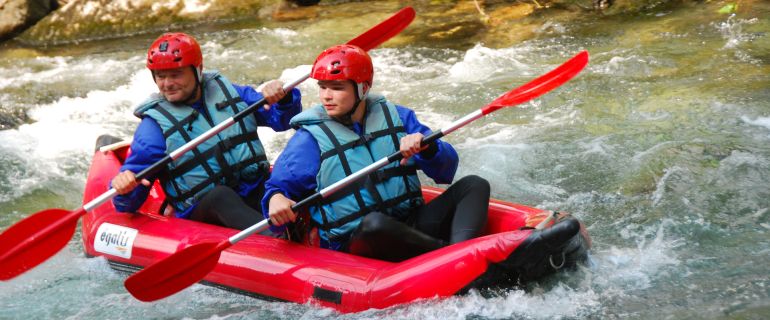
{"x": 186, "y": 267}
{"x": 36, "y": 238}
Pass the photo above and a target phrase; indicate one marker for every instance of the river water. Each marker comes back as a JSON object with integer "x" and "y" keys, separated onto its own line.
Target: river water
{"x": 661, "y": 146}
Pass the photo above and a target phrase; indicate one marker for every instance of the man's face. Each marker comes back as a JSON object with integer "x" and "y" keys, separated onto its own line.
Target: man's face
{"x": 175, "y": 85}
{"x": 337, "y": 96}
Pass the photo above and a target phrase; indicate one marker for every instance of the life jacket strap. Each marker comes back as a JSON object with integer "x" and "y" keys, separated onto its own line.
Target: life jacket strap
{"x": 216, "y": 150}
{"x": 233, "y": 104}
{"x": 177, "y": 127}
{"x": 343, "y": 160}
{"x": 363, "y": 140}
{"x": 366, "y": 210}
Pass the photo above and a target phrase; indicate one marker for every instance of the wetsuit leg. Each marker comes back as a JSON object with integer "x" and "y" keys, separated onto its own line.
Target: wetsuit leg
{"x": 224, "y": 207}
{"x": 382, "y": 237}
{"x": 458, "y": 214}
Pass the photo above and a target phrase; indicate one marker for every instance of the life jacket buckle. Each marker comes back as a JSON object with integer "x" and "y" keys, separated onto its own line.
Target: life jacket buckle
{"x": 378, "y": 176}
{"x": 194, "y": 116}
{"x": 225, "y": 145}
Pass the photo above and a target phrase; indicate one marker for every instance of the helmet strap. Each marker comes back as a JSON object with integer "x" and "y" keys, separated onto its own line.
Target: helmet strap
{"x": 361, "y": 92}
{"x": 198, "y": 79}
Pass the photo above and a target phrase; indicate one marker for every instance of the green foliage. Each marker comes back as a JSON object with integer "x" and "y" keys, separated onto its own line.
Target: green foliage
{"x": 728, "y": 8}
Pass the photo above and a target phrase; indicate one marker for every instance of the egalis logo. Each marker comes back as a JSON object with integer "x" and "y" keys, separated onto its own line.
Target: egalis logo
{"x": 115, "y": 240}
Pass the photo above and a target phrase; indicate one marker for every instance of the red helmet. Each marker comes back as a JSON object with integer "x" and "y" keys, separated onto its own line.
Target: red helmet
{"x": 344, "y": 62}
{"x": 174, "y": 50}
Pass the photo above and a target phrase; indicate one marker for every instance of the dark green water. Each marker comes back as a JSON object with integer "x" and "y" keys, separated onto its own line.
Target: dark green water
{"x": 662, "y": 146}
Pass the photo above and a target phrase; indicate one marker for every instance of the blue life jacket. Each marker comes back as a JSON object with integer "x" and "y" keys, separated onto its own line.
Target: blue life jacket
{"x": 234, "y": 155}
{"x": 393, "y": 190}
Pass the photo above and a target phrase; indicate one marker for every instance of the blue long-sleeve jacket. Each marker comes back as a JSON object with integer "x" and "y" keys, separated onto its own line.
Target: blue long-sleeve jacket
{"x": 149, "y": 145}
{"x": 295, "y": 170}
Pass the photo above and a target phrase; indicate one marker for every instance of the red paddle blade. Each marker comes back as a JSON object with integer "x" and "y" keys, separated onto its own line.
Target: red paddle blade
{"x": 178, "y": 271}
{"x": 34, "y": 239}
{"x": 384, "y": 30}
{"x": 541, "y": 85}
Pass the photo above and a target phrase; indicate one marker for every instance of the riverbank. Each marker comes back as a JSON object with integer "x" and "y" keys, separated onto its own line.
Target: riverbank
{"x": 443, "y": 23}
{"x": 95, "y": 27}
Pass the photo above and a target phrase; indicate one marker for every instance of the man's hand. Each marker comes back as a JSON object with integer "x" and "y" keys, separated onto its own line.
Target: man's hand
{"x": 125, "y": 182}
{"x": 273, "y": 92}
{"x": 280, "y": 210}
{"x": 411, "y": 144}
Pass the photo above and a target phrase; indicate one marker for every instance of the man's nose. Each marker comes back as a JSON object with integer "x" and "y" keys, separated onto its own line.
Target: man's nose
{"x": 162, "y": 82}
{"x": 325, "y": 94}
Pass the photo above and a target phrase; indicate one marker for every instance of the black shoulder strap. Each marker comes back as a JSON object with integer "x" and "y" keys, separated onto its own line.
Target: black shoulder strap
{"x": 340, "y": 152}
{"x": 177, "y": 127}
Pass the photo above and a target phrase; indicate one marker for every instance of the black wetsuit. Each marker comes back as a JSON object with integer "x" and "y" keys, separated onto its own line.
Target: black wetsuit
{"x": 224, "y": 207}
{"x": 458, "y": 214}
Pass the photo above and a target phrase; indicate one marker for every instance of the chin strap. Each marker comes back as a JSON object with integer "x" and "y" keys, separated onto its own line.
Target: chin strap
{"x": 361, "y": 92}
{"x": 198, "y": 80}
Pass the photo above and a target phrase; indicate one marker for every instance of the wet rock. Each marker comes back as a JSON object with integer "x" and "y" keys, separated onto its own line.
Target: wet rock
{"x": 19, "y": 53}
{"x": 611, "y": 7}
{"x": 102, "y": 19}
{"x": 448, "y": 24}
{"x": 12, "y": 118}
{"x": 292, "y": 10}
{"x": 509, "y": 24}
{"x": 17, "y": 15}
{"x": 306, "y": 2}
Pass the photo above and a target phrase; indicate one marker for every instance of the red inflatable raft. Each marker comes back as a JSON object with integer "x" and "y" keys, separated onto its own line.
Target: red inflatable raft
{"x": 276, "y": 269}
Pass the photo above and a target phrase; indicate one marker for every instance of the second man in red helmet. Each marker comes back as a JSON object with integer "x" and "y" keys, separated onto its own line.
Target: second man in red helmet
{"x": 222, "y": 180}
{"x": 384, "y": 216}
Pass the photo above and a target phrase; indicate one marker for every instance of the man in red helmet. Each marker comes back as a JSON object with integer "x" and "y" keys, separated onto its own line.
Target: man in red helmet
{"x": 383, "y": 216}
{"x": 221, "y": 181}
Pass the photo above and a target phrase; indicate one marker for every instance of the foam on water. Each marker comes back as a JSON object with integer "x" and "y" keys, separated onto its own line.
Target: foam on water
{"x": 759, "y": 121}
{"x": 481, "y": 63}
{"x": 626, "y": 65}
{"x": 735, "y": 37}
{"x": 47, "y": 70}
{"x": 732, "y": 31}
{"x": 246, "y": 47}
{"x": 68, "y": 128}
{"x": 395, "y": 66}
{"x": 621, "y": 274}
